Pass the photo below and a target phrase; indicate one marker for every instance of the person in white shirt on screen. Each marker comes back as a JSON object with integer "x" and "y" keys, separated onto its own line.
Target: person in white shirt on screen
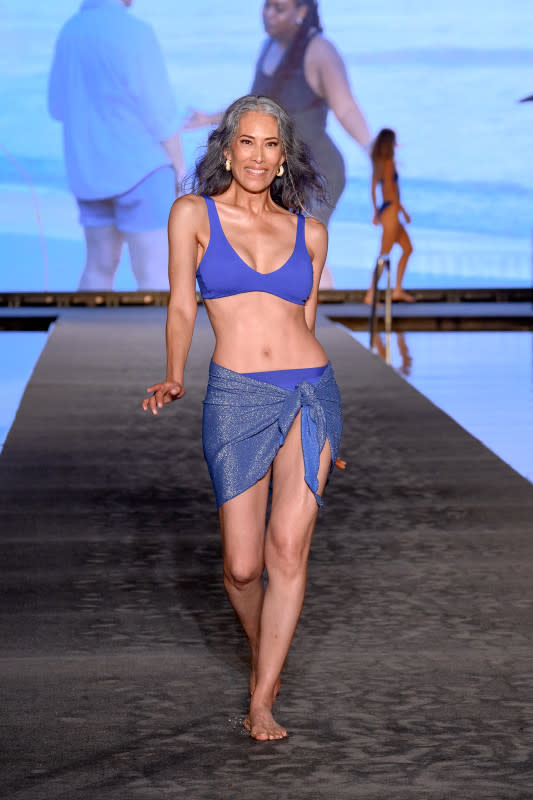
{"x": 109, "y": 88}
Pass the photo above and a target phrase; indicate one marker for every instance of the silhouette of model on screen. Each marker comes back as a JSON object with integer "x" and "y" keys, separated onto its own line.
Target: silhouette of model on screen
{"x": 109, "y": 88}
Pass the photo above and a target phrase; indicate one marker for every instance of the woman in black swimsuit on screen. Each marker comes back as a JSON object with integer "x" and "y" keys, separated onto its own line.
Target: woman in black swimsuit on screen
{"x": 305, "y": 74}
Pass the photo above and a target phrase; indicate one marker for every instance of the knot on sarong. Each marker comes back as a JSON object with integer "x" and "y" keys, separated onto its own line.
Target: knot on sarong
{"x": 313, "y": 429}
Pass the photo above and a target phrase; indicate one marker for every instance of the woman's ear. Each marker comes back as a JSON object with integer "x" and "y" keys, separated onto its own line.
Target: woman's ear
{"x": 303, "y": 9}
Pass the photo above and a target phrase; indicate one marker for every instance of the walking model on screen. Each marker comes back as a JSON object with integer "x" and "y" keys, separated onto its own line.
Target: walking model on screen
{"x": 109, "y": 88}
{"x": 387, "y": 214}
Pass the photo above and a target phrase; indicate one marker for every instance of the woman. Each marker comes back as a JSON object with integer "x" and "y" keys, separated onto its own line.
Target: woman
{"x": 388, "y": 214}
{"x": 271, "y": 394}
{"x": 305, "y": 74}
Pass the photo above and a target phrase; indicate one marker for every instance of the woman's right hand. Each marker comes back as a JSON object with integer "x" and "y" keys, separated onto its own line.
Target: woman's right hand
{"x": 162, "y": 393}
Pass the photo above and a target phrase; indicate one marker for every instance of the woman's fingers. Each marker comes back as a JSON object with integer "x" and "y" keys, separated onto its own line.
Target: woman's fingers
{"x": 162, "y": 393}
{"x": 152, "y": 403}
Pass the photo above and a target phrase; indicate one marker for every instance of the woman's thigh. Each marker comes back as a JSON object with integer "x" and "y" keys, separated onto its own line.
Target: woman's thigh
{"x": 294, "y": 508}
{"x": 390, "y": 224}
{"x": 242, "y": 524}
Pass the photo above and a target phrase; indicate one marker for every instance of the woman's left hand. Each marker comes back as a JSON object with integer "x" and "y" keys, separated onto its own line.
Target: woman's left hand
{"x": 406, "y": 216}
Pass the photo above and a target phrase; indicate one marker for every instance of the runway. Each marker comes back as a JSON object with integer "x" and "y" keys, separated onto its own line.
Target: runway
{"x": 123, "y": 670}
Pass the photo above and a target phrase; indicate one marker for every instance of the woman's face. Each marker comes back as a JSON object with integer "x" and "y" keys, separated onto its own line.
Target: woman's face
{"x": 282, "y": 18}
{"x": 256, "y": 152}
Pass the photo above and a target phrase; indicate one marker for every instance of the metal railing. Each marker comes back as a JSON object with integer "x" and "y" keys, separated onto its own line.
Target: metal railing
{"x": 381, "y": 264}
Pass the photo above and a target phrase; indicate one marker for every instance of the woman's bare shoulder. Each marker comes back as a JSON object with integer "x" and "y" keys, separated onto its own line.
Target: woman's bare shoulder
{"x": 188, "y": 204}
{"x": 315, "y": 227}
{"x": 189, "y": 210}
{"x": 320, "y": 48}
{"x": 316, "y": 234}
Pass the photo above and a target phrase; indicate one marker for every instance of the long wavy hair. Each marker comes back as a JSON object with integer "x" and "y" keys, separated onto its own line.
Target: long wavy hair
{"x": 294, "y": 54}
{"x": 296, "y": 188}
{"x": 382, "y": 148}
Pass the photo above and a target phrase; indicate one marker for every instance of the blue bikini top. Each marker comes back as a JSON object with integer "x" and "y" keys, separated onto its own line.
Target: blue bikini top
{"x": 222, "y": 272}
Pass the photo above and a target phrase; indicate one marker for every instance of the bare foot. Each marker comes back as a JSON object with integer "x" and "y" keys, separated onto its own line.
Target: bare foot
{"x": 262, "y": 726}
{"x": 368, "y": 299}
{"x": 402, "y": 296}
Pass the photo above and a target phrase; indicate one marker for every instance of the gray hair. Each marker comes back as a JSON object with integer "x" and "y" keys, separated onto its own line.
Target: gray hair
{"x": 301, "y": 181}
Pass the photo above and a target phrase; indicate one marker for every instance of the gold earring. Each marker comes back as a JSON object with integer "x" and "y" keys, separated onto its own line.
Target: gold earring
{"x": 280, "y": 171}
{"x": 228, "y": 165}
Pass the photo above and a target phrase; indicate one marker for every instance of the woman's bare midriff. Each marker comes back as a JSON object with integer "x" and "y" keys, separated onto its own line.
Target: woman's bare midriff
{"x": 258, "y": 332}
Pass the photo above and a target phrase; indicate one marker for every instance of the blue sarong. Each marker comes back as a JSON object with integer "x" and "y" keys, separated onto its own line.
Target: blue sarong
{"x": 245, "y": 422}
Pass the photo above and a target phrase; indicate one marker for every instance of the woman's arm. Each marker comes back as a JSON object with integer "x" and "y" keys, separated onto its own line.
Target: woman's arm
{"x": 182, "y": 306}
{"x": 406, "y": 216}
{"x": 326, "y": 74}
{"x": 374, "y": 203}
{"x": 316, "y": 241}
{"x": 183, "y": 241}
{"x": 198, "y": 119}
{"x": 401, "y": 209}
{"x": 390, "y": 185}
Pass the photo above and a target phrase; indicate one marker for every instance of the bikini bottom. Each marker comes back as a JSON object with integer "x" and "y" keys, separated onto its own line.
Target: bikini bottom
{"x": 288, "y": 378}
{"x": 383, "y": 206}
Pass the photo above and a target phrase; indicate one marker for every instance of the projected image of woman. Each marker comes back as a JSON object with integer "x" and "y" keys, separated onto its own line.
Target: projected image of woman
{"x": 305, "y": 74}
{"x": 272, "y": 409}
{"x": 387, "y": 214}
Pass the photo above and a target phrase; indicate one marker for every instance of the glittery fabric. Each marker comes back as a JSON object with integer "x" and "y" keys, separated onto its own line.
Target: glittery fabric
{"x": 245, "y": 422}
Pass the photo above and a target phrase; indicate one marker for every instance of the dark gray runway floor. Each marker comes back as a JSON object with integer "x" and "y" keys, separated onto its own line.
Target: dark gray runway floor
{"x": 123, "y": 670}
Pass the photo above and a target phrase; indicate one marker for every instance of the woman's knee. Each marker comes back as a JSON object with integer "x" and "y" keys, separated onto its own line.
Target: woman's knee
{"x": 240, "y": 572}
{"x": 103, "y": 248}
{"x": 286, "y": 550}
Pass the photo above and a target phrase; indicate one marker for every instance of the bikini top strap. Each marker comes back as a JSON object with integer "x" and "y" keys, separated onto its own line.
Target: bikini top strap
{"x": 215, "y": 228}
{"x": 300, "y": 232}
